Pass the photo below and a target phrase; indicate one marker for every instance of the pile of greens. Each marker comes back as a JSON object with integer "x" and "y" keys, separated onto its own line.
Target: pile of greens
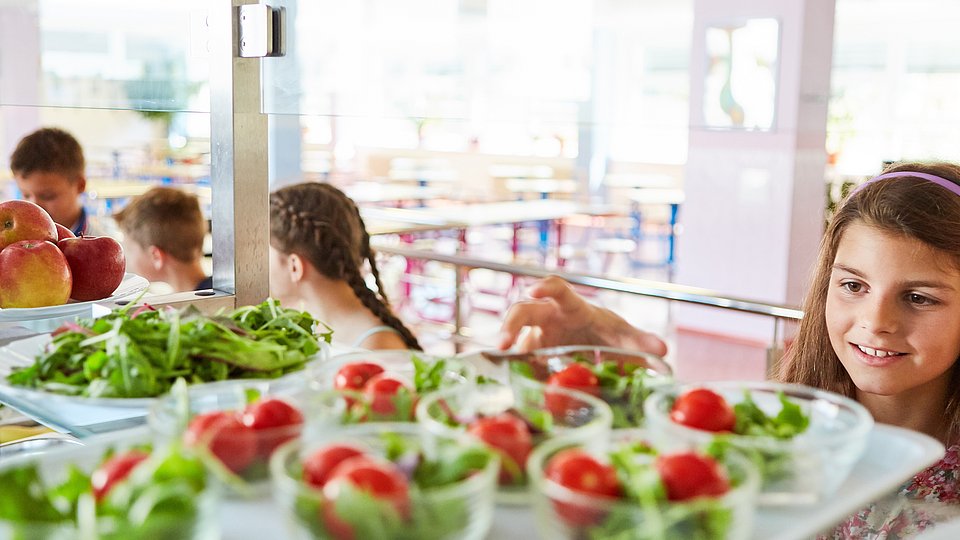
{"x": 140, "y": 353}
{"x": 161, "y": 499}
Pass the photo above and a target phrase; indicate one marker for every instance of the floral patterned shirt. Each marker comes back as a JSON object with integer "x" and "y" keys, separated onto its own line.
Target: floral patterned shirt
{"x": 932, "y": 496}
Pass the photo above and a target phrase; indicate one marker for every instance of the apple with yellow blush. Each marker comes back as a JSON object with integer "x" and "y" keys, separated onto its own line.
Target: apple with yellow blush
{"x": 34, "y": 273}
{"x": 24, "y": 220}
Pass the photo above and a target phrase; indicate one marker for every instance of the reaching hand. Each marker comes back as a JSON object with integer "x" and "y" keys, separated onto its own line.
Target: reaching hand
{"x": 557, "y": 315}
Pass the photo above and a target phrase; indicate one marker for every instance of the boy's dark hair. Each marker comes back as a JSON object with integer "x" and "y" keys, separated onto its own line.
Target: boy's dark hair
{"x": 318, "y": 222}
{"x": 167, "y": 218}
{"x": 48, "y": 150}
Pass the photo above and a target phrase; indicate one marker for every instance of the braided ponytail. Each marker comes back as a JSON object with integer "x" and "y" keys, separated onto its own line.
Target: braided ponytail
{"x": 323, "y": 225}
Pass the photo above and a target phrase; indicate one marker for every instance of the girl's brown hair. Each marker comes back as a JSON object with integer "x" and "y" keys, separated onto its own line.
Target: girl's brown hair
{"x": 318, "y": 222}
{"x": 907, "y": 206}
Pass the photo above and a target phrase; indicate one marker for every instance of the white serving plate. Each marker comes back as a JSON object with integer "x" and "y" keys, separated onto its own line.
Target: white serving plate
{"x": 132, "y": 284}
{"x": 80, "y": 416}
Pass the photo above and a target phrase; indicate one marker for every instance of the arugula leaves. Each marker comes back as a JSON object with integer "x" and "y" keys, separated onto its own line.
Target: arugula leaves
{"x": 141, "y": 354}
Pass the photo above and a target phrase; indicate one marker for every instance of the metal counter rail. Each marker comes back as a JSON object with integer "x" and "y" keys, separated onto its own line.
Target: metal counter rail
{"x": 653, "y": 289}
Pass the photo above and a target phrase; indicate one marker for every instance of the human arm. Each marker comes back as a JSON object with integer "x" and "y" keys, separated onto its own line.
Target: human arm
{"x": 557, "y": 315}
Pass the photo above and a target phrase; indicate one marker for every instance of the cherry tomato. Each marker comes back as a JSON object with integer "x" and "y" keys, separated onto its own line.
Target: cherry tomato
{"x": 355, "y": 376}
{"x": 318, "y": 465}
{"x": 383, "y": 481}
{"x": 575, "y": 376}
{"x": 233, "y": 443}
{"x": 578, "y": 471}
{"x": 688, "y": 475}
{"x": 114, "y": 470}
{"x": 509, "y": 436}
{"x": 382, "y": 390}
{"x": 704, "y": 409}
{"x": 275, "y": 421}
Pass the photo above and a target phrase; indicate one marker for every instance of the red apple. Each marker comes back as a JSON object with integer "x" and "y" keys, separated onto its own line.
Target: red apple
{"x": 23, "y": 220}
{"x": 63, "y": 232}
{"x": 33, "y": 274}
{"x": 97, "y": 264}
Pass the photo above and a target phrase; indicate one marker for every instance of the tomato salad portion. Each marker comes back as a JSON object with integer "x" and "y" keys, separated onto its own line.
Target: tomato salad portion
{"x": 633, "y": 492}
{"x": 513, "y": 423}
{"x": 131, "y": 493}
{"x": 238, "y": 424}
{"x": 384, "y": 386}
{"x": 621, "y": 378}
{"x": 382, "y": 481}
{"x": 804, "y": 441}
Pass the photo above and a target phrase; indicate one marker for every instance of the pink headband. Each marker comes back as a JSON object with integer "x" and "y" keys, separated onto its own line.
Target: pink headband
{"x": 942, "y": 182}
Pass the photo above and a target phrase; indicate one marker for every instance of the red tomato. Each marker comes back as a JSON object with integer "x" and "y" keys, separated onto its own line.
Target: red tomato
{"x": 228, "y": 439}
{"x": 114, "y": 470}
{"x": 275, "y": 422}
{"x": 704, "y": 409}
{"x": 381, "y": 390}
{"x": 383, "y": 481}
{"x": 355, "y": 376}
{"x": 578, "y": 471}
{"x": 510, "y": 436}
{"x": 318, "y": 465}
{"x": 688, "y": 475}
{"x": 575, "y": 376}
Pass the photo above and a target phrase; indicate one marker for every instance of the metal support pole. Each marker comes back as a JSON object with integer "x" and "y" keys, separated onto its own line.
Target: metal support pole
{"x": 239, "y": 172}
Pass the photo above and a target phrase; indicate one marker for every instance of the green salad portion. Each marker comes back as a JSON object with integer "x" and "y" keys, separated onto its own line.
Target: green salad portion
{"x": 141, "y": 352}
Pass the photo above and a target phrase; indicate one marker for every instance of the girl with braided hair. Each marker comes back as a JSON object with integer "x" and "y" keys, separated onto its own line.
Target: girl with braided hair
{"x": 318, "y": 247}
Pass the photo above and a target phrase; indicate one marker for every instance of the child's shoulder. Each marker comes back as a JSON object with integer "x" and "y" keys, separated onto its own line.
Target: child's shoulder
{"x": 939, "y": 482}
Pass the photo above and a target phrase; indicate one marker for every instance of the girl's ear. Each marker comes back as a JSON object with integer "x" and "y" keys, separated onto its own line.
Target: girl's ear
{"x": 295, "y": 264}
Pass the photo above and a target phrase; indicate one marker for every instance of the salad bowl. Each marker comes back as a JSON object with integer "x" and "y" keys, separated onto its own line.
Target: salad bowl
{"x": 381, "y": 386}
{"x": 620, "y": 377}
{"x": 804, "y": 441}
{"x": 387, "y": 481}
{"x": 513, "y": 423}
{"x": 238, "y": 424}
{"x": 621, "y": 487}
{"x": 115, "y": 488}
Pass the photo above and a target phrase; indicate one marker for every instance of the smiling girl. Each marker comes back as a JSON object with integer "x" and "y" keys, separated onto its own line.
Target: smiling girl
{"x": 882, "y": 325}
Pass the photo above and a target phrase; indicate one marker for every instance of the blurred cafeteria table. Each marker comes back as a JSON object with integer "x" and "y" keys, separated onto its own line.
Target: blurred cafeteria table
{"x": 673, "y": 198}
{"x": 396, "y": 194}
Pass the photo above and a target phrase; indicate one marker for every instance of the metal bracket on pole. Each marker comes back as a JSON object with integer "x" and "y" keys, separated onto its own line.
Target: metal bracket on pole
{"x": 261, "y": 31}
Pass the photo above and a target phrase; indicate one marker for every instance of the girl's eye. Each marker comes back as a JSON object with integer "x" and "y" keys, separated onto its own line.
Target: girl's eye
{"x": 919, "y": 299}
{"x": 852, "y": 286}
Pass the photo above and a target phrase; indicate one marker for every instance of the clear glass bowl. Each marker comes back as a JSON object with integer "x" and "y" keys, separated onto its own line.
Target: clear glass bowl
{"x": 800, "y": 470}
{"x": 337, "y": 406}
{"x": 244, "y": 471}
{"x": 449, "y": 412}
{"x": 623, "y": 390}
{"x": 562, "y": 513}
{"x": 179, "y": 513}
{"x": 462, "y": 510}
